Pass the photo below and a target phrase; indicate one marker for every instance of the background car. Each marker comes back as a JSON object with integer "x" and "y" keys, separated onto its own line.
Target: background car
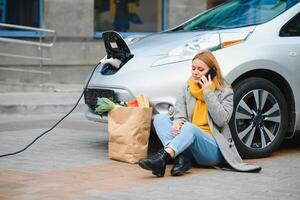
{"x": 257, "y": 44}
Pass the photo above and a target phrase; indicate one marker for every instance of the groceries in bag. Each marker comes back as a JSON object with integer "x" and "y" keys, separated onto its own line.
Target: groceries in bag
{"x": 128, "y": 127}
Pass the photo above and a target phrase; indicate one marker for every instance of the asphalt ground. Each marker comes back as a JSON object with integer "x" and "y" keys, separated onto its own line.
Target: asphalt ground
{"x": 71, "y": 162}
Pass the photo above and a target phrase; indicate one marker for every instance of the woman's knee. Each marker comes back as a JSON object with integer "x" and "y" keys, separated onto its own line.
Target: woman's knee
{"x": 188, "y": 129}
{"x": 160, "y": 118}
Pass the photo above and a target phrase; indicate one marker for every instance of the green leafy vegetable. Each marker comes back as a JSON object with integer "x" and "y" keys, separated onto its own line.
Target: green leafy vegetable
{"x": 104, "y": 105}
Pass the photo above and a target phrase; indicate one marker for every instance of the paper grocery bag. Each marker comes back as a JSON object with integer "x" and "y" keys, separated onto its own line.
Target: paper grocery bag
{"x": 129, "y": 130}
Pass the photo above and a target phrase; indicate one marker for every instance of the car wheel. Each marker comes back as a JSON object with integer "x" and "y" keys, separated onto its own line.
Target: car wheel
{"x": 259, "y": 119}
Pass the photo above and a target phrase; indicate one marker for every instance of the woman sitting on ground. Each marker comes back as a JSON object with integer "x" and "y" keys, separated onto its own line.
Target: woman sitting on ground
{"x": 200, "y": 128}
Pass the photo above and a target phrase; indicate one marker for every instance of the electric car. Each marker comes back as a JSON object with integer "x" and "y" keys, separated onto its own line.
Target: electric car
{"x": 257, "y": 44}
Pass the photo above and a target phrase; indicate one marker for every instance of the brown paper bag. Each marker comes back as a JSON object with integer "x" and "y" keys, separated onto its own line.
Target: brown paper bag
{"x": 129, "y": 130}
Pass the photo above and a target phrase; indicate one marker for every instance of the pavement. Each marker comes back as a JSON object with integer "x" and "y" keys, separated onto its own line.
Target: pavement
{"x": 71, "y": 162}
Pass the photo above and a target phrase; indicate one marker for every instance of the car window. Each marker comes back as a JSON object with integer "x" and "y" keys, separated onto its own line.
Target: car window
{"x": 292, "y": 28}
{"x": 238, "y": 13}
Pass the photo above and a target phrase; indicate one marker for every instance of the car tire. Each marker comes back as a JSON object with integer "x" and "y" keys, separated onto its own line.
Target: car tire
{"x": 259, "y": 119}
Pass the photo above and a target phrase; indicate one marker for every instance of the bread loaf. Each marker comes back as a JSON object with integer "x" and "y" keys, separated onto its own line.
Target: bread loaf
{"x": 143, "y": 101}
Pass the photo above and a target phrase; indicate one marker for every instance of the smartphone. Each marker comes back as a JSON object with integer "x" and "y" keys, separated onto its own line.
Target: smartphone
{"x": 212, "y": 73}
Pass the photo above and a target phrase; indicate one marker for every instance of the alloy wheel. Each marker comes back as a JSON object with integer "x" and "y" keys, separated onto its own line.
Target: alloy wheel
{"x": 257, "y": 119}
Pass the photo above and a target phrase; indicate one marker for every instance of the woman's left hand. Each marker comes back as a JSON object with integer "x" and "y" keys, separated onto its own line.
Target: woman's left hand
{"x": 205, "y": 83}
{"x": 175, "y": 129}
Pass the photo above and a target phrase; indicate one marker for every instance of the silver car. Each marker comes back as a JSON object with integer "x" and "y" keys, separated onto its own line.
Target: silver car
{"x": 257, "y": 43}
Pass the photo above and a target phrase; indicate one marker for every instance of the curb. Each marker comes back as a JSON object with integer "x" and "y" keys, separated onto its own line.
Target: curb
{"x": 39, "y": 109}
{"x": 39, "y": 103}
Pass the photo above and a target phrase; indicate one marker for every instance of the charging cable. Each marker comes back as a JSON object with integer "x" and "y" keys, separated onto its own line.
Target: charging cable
{"x": 47, "y": 131}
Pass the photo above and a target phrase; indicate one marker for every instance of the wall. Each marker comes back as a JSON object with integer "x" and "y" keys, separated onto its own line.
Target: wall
{"x": 181, "y": 10}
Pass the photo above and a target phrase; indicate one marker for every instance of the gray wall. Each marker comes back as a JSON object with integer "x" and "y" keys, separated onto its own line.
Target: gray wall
{"x": 70, "y": 18}
{"x": 182, "y": 10}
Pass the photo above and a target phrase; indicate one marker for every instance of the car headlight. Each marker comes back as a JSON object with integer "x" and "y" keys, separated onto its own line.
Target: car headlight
{"x": 187, "y": 51}
{"x": 212, "y": 42}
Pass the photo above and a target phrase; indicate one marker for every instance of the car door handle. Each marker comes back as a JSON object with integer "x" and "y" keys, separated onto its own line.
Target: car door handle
{"x": 293, "y": 53}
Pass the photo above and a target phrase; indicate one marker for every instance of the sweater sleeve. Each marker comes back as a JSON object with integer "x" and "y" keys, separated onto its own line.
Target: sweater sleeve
{"x": 220, "y": 110}
{"x": 180, "y": 110}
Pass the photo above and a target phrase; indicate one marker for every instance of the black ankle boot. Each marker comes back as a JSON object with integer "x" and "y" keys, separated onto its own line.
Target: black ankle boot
{"x": 157, "y": 164}
{"x": 181, "y": 165}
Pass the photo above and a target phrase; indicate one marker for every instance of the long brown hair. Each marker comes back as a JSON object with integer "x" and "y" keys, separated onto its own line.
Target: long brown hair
{"x": 209, "y": 59}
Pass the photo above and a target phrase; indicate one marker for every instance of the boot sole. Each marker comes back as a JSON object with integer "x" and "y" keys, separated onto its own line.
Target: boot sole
{"x": 180, "y": 172}
{"x": 156, "y": 173}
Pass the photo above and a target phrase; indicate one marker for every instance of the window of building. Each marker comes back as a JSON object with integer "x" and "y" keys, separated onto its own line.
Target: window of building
{"x": 127, "y": 16}
{"x": 292, "y": 28}
{"x": 20, "y": 12}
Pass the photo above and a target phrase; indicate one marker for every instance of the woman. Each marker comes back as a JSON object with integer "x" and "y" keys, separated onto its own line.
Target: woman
{"x": 200, "y": 127}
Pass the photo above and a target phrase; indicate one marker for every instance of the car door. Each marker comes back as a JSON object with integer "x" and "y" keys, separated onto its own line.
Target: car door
{"x": 289, "y": 36}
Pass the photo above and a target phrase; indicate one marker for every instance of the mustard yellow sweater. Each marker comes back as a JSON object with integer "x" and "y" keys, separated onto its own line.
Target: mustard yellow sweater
{"x": 200, "y": 117}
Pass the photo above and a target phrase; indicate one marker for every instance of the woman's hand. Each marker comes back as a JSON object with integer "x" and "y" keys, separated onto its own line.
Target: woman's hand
{"x": 176, "y": 128}
{"x": 205, "y": 83}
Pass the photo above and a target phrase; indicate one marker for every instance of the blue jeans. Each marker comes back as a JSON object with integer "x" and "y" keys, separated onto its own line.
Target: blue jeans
{"x": 191, "y": 141}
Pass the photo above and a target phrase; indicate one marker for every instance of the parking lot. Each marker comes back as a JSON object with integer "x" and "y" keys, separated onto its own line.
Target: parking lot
{"x": 72, "y": 162}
